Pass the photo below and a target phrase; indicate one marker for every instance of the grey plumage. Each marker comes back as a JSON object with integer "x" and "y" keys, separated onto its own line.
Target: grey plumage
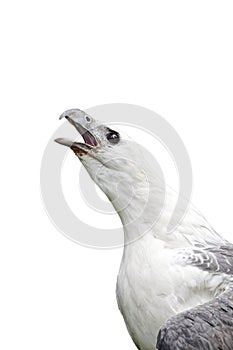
{"x": 208, "y": 326}
{"x": 216, "y": 259}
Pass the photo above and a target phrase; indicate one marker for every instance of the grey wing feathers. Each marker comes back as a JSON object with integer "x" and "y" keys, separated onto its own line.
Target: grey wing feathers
{"x": 214, "y": 259}
{"x": 207, "y": 327}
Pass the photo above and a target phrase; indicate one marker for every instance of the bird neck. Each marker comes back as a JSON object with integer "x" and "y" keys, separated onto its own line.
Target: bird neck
{"x": 139, "y": 209}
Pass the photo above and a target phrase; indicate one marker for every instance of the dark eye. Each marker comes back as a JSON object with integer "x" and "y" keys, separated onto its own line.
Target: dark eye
{"x": 88, "y": 119}
{"x": 113, "y": 137}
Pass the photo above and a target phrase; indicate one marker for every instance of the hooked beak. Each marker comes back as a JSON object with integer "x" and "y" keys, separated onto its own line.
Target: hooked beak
{"x": 82, "y": 122}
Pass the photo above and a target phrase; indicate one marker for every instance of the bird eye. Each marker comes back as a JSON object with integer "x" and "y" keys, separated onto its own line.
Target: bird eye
{"x": 88, "y": 119}
{"x": 113, "y": 137}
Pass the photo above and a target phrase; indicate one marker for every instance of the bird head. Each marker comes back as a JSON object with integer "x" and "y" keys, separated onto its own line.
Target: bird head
{"x": 122, "y": 168}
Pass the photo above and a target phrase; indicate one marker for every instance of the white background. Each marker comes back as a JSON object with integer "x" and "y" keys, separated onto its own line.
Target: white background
{"x": 174, "y": 57}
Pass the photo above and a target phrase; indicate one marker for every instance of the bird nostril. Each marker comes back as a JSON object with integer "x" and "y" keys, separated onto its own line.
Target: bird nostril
{"x": 66, "y": 116}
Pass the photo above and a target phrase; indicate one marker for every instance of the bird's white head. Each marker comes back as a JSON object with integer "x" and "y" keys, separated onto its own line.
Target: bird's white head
{"x": 123, "y": 169}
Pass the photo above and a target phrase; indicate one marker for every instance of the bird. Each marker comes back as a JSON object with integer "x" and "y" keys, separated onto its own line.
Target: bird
{"x": 174, "y": 290}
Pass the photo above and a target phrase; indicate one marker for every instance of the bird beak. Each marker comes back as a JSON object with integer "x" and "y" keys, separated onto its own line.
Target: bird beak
{"x": 65, "y": 142}
{"x": 81, "y": 121}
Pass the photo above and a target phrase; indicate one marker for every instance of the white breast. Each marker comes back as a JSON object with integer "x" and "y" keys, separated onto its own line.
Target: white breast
{"x": 152, "y": 287}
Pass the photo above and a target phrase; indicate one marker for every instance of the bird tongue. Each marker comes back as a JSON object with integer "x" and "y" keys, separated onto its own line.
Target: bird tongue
{"x": 89, "y": 138}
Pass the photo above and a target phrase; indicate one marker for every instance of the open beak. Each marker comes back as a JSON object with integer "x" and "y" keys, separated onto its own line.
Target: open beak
{"x": 79, "y": 120}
